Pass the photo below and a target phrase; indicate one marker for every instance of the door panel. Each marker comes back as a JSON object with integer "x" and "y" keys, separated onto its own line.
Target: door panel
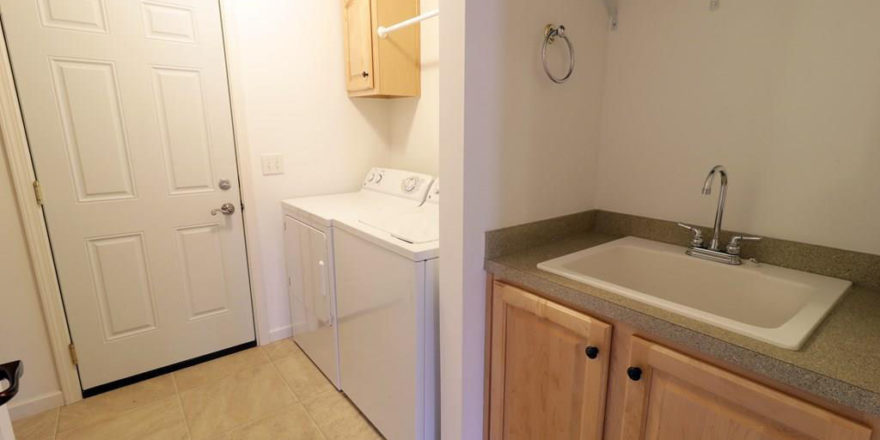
{"x": 543, "y": 383}
{"x": 122, "y": 282}
{"x": 91, "y": 115}
{"x": 127, "y": 113}
{"x": 79, "y": 15}
{"x": 184, "y": 129}
{"x": 201, "y": 250}
{"x": 678, "y": 397}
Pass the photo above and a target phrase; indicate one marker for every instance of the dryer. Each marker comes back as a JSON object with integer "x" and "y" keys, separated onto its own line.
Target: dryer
{"x": 308, "y": 243}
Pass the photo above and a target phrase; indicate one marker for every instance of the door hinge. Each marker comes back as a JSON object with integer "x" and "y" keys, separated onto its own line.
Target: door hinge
{"x": 73, "y": 358}
{"x": 38, "y": 192}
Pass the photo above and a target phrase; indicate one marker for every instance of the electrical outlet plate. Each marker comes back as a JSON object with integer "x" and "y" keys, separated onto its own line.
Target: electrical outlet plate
{"x": 273, "y": 164}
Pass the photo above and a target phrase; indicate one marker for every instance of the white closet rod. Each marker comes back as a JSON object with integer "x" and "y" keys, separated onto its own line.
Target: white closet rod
{"x": 384, "y": 31}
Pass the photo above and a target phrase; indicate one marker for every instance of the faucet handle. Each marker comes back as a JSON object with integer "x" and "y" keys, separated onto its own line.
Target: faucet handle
{"x": 735, "y": 246}
{"x": 697, "y": 240}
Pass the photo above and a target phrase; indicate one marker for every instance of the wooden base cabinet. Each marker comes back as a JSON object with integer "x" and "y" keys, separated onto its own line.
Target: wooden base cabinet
{"x": 672, "y": 396}
{"x": 549, "y": 369}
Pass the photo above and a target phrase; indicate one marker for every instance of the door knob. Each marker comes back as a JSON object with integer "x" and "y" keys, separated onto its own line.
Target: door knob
{"x": 225, "y": 209}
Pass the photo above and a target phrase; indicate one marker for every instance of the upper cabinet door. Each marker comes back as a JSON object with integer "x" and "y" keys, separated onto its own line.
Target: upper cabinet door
{"x": 358, "y": 45}
{"x": 549, "y": 369}
{"x": 672, "y": 396}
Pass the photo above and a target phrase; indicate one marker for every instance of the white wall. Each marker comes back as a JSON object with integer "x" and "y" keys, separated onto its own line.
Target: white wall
{"x": 22, "y": 329}
{"x": 415, "y": 122}
{"x": 286, "y": 60}
{"x": 515, "y": 148}
{"x": 784, "y": 93}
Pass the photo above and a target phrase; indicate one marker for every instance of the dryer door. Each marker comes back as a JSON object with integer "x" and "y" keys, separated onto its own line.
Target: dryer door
{"x": 312, "y": 304}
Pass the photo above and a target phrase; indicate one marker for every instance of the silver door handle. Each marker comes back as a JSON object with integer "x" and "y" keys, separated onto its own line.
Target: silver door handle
{"x": 225, "y": 209}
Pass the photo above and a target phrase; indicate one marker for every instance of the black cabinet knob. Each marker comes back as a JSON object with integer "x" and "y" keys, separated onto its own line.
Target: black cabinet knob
{"x": 634, "y": 373}
{"x": 592, "y": 352}
{"x": 365, "y": 74}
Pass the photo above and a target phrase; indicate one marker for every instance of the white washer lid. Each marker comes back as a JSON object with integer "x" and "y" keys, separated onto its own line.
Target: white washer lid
{"x": 412, "y": 251}
{"x": 421, "y": 225}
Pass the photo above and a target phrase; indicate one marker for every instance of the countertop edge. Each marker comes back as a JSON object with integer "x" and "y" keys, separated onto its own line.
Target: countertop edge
{"x": 834, "y": 390}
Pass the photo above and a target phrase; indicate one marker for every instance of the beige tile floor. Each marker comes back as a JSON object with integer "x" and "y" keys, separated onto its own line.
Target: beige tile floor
{"x": 272, "y": 392}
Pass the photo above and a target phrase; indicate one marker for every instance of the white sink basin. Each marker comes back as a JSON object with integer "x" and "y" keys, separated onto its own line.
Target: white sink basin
{"x": 769, "y": 303}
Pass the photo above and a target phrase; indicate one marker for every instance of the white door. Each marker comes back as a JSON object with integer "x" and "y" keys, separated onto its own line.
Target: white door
{"x": 311, "y": 295}
{"x": 127, "y": 113}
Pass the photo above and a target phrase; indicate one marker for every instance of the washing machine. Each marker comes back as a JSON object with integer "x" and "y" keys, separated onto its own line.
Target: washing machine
{"x": 387, "y": 295}
{"x": 309, "y": 224}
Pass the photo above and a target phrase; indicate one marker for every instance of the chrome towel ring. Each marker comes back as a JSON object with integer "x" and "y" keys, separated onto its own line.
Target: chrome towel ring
{"x": 551, "y": 33}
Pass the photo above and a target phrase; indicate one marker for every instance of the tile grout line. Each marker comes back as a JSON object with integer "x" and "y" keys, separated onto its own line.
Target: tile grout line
{"x": 251, "y": 366}
{"x": 57, "y": 422}
{"x": 180, "y": 405}
{"x": 298, "y": 399}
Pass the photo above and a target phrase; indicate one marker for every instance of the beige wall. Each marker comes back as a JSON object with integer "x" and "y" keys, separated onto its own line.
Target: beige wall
{"x": 415, "y": 122}
{"x": 287, "y": 66}
{"x": 785, "y": 93}
{"x": 286, "y": 60}
{"x": 22, "y": 329}
{"x": 514, "y": 148}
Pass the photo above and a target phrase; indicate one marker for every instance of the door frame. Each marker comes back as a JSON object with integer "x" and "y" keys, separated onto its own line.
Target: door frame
{"x": 21, "y": 169}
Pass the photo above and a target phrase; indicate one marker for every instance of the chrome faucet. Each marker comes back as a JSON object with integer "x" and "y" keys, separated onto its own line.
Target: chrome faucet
{"x": 713, "y": 252}
{"x": 722, "y": 195}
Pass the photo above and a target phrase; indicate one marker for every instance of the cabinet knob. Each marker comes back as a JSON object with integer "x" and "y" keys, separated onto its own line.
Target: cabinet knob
{"x": 365, "y": 74}
{"x": 592, "y": 352}
{"x": 634, "y": 373}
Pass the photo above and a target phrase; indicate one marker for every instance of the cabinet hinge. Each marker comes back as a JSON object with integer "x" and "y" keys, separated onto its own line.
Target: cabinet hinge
{"x": 38, "y": 192}
{"x": 73, "y": 358}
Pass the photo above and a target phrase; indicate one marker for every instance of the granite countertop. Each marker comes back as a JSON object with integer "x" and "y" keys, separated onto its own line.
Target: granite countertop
{"x": 839, "y": 362}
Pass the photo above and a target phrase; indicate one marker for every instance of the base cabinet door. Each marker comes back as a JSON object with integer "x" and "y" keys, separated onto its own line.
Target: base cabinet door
{"x": 549, "y": 367}
{"x": 672, "y": 396}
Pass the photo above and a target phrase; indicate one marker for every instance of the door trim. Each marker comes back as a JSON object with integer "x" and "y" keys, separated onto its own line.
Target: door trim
{"x": 21, "y": 171}
{"x": 245, "y": 176}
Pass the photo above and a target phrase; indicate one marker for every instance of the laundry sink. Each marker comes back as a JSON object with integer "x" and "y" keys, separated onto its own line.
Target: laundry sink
{"x": 769, "y": 303}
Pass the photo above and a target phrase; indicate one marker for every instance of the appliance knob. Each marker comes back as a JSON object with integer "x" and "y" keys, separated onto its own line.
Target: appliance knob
{"x": 634, "y": 373}
{"x": 592, "y": 352}
{"x": 409, "y": 184}
{"x": 379, "y": 176}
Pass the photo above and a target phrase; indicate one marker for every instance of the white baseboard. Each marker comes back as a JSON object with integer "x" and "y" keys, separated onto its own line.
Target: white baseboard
{"x": 23, "y": 408}
{"x": 279, "y": 333}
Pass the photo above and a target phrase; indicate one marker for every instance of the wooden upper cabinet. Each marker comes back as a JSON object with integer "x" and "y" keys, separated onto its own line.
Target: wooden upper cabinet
{"x": 543, "y": 383}
{"x": 377, "y": 67}
{"x": 678, "y": 397}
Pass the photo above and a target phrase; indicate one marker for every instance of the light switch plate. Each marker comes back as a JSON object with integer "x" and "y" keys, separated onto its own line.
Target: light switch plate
{"x": 272, "y": 164}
